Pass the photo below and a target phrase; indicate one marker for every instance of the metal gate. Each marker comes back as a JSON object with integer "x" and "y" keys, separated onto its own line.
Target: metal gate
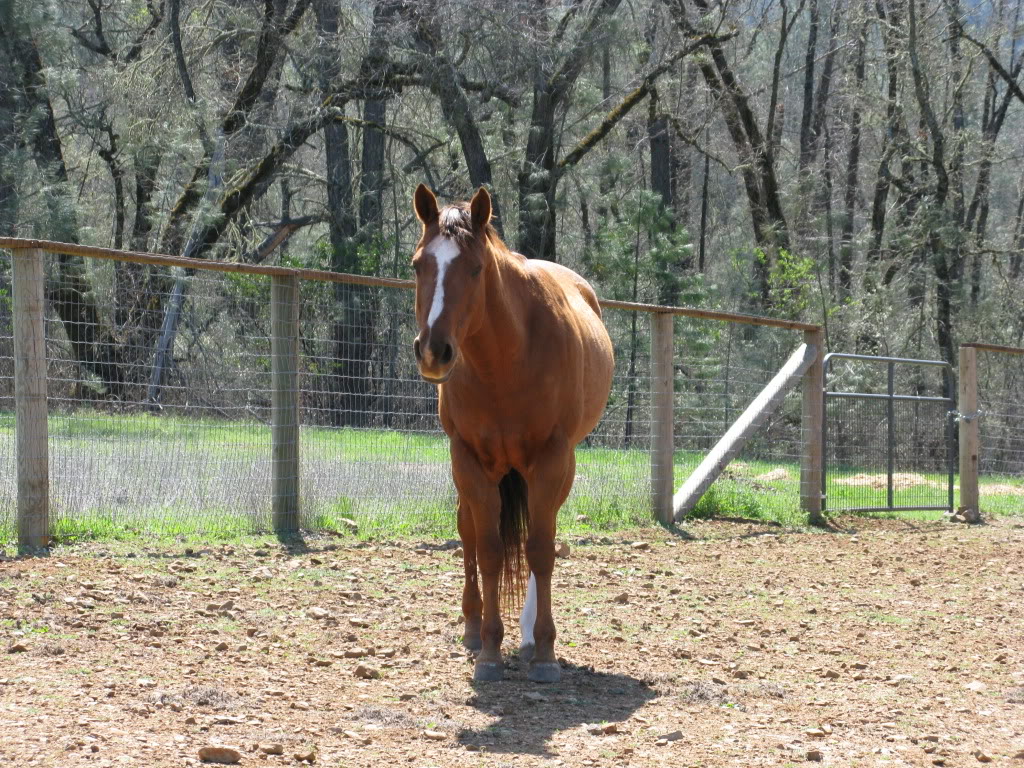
{"x": 848, "y": 484}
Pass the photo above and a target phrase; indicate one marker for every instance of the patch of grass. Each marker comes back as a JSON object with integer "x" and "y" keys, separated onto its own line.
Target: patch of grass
{"x": 612, "y": 490}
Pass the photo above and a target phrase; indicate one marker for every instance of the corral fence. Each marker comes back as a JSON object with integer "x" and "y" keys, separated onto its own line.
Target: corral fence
{"x": 991, "y": 418}
{"x": 167, "y": 394}
{"x": 160, "y": 393}
{"x": 918, "y": 403}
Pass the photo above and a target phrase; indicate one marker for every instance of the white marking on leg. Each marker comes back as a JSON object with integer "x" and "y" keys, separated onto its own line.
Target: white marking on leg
{"x": 445, "y": 251}
{"x": 529, "y": 614}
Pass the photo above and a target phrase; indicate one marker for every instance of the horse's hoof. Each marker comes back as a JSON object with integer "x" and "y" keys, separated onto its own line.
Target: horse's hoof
{"x": 545, "y": 672}
{"x": 526, "y": 653}
{"x": 472, "y": 642}
{"x": 488, "y": 672}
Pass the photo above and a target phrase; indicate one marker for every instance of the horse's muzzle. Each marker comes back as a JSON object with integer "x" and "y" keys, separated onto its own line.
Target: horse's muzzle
{"x": 435, "y": 359}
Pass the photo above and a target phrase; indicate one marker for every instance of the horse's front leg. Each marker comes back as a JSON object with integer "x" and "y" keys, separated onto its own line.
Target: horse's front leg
{"x": 479, "y": 497}
{"x": 550, "y": 481}
{"x": 472, "y": 605}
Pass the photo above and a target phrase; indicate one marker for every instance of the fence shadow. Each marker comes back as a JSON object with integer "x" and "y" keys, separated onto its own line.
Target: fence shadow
{"x": 531, "y": 714}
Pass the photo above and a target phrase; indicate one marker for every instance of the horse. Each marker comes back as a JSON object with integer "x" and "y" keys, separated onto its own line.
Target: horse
{"x": 523, "y": 367}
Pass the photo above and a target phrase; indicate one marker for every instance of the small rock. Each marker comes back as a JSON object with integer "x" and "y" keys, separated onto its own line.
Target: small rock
{"x": 435, "y": 735}
{"x": 367, "y": 673}
{"x": 621, "y": 599}
{"x": 317, "y": 613}
{"x": 815, "y": 733}
{"x": 220, "y": 646}
{"x": 981, "y": 756}
{"x": 458, "y": 552}
{"x": 357, "y": 622}
{"x": 976, "y": 685}
{"x": 814, "y": 755}
{"x": 671, "y": 736}
{"x": 638, "y": 545}
{"x": 831, "y": 674}
{"x": 223, "y": 755}
{"x": 306, "y": 757}
{"x": 272, "y": 749}
{"x": 562, "y": 549}
{"x": 356, "y": 653}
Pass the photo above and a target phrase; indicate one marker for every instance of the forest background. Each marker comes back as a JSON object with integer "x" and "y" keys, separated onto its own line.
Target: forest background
{"x": 857, "y": 164}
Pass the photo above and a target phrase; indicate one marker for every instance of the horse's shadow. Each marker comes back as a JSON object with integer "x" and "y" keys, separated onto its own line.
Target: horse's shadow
{"x": 530, "y": 714}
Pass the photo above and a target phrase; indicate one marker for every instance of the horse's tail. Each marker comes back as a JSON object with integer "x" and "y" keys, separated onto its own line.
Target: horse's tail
{"x": 513, "y": 527}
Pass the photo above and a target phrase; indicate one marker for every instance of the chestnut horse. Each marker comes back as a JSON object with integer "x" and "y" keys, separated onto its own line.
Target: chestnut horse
{"x": 523, "y": 365}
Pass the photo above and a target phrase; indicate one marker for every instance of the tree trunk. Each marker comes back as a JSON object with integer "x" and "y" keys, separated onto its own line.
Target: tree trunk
{"x": 852, "y": 173}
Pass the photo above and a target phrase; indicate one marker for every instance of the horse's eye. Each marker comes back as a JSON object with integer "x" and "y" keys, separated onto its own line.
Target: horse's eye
{"x": 476, "y": 270}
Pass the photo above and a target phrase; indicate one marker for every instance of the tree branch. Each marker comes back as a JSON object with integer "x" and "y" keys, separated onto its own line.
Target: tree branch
{"x": 635, "y": 97}
{"x": 1010, "y": 80}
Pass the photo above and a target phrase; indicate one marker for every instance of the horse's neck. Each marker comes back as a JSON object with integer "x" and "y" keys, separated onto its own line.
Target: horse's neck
{"x": 494, "y": 346}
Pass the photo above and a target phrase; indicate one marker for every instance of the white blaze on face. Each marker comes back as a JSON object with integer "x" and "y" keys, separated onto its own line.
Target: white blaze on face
{"x": 529, "y": 615}
{"x": 445, "y": 252}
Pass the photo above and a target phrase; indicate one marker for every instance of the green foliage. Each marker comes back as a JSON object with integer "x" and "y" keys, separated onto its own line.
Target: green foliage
{"x": 791, "y": 280}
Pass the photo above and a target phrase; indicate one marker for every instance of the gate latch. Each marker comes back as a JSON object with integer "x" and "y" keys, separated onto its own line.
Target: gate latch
{"x": 968, "y": 417}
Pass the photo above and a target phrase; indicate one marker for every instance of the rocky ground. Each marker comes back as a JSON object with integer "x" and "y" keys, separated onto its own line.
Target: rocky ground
{"x": 723, "y": 644}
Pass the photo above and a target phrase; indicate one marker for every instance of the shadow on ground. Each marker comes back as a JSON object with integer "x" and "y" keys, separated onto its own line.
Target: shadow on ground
{"x": 530, "y": 714}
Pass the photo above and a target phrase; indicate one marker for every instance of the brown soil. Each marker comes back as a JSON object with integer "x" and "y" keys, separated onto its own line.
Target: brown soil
{"x": 1002, "y": 489}
{"x": 774, "y": 476}
{"x": 900, "y": 480}
{"x": 738, "y": 645}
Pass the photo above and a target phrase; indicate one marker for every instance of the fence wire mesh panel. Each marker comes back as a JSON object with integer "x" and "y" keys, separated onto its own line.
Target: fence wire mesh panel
{"x": 170, "y": 391}
{"x": 888, "y": 442}
{"x": 720, "y": 368}
{"x": 1001, "y": 432}
{"x": 8, "y": 465}
{"x": 159, "y": 398}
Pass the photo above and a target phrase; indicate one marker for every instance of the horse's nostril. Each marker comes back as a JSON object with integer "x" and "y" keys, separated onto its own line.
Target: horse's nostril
{"x": 416, "y": 349}
{"x": 447, "y": 355}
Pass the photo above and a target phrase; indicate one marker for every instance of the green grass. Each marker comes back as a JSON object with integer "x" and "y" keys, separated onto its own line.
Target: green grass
{"x": 611, "y": 492}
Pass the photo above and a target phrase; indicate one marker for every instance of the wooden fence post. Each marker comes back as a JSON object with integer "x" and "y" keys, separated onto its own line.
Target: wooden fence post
{"x": 812, "y": 419}
{"x": 967, "y": 405}
{"x": 30, "y": 399}
{"x": 662, "y": 408}
{"x": 284, "y": 352}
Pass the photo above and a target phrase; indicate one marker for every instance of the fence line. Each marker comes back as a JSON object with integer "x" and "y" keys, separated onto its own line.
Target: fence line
{"x": 991, "y": 417}
{"x": 239, "y": 368}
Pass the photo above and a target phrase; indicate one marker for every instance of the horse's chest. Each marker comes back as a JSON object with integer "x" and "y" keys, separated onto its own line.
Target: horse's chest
{"x": 500, "y": 431}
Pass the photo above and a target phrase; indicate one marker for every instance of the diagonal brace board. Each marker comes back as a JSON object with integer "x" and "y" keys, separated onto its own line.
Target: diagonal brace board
{"x": 732, "y": 442}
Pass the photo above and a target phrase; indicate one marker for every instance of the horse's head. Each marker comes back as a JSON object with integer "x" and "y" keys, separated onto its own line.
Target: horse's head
{"x": 450, "y": 262}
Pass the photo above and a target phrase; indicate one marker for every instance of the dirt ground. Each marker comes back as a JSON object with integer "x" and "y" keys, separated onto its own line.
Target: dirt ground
{"x": 727, "y": 644}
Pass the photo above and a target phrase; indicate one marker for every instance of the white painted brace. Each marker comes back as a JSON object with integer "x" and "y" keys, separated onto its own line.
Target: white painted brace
{"x": 529, "y": 615}
{"x": 445, "y": 252}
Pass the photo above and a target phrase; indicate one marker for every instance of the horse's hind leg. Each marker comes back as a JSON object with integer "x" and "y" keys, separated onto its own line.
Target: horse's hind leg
{"x": 471, "y": 603}
{"x": 550, "y": 482}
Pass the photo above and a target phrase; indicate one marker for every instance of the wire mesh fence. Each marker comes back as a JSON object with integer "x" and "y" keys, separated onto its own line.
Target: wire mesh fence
{"x": 889, "y": 442}
{"x": 1001, "y": 431}
{"x": 161, "y": 390}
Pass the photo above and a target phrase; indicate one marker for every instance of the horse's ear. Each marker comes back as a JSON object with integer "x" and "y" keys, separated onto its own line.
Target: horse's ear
{"x": 425, "y": 204}
{"x": 480, "y": 209}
